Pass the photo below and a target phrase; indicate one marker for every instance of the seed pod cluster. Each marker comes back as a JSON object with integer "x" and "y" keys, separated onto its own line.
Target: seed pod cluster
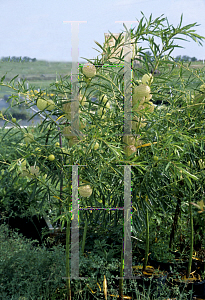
{"x": 141, "y": 100}
{"x": 131, "y": 144}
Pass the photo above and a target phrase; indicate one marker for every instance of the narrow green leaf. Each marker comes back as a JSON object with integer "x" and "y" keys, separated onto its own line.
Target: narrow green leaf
{"x": 57, "y": 218}
{"x": 178, "y": 147}
{"x": 13, "y": 78}
{"x": 188, "y": 174}
{"x": 169, "y": 163}
{"x": 12, "y": 166}
{"x": 2, "y": 78}
{"x": 100, "y": 46}
{"x": 33, "y": 192}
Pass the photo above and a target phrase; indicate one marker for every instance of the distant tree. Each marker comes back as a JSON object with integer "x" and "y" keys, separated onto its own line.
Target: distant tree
{"x": 5, "y": 58}
{"x": 185, "y": 58}
{"x": 15, "y": 58}
{"x": 178, "y": 58}
{"x": 194, "y": 59}
{"x": 25, "y": 58}
{"x": 18, "y": 58}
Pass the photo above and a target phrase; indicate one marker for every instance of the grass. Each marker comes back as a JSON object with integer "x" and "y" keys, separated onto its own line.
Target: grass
{"x": 42, "y": 73}
{"x": 39, "y": 74}
{"x": 38, "y": 68}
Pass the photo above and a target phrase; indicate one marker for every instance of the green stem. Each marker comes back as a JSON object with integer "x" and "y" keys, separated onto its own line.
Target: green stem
{"x": 115, "y": 221}
{"x": 191, "y": 238}
{"x": 61, "y": 176}
{"x": 147, "y": 241}
{"x": 67, "y": 261}
{"x": 68, "y": 241}
{"x": 121, "y": 275}
{"x": 175, "y": 221}
{"x": 84, "y": 235}
{"x": 138, "y": 126}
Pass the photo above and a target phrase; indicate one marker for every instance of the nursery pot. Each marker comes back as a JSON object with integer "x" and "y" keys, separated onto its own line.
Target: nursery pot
{"x": 198, "y": 288}
{"x": 163, "y": 266}
{"x": 180, "y": 265}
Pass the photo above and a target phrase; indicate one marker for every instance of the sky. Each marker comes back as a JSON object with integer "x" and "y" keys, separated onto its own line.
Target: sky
{"x": 37, "y": 29}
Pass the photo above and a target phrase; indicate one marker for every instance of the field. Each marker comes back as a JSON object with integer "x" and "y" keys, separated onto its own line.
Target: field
{"x": 39, "y": 74}
{"x": 42, "y": 73}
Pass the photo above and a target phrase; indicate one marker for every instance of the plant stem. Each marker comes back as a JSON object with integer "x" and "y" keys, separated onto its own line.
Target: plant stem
{"x": 138, "y": 126}
{"x": 61, "y": 176}
{"x": 175, "y": 221}
{"x": 84, "y": 235}
{"x": 68, "y": 241}
{"x": 121, "y": 274}
{"x": 67, "y": 261}
{"x": 191, "y": 238}
{"x": 115, "y": 221}
{"x": 147, "y": 241}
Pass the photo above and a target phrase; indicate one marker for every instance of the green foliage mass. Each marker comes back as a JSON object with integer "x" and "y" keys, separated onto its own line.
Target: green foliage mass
{"x": 173, "y": 131}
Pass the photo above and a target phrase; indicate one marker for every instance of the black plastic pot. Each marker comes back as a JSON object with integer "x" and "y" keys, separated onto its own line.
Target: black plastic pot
{"x": 163, "y": 266}
{"x": 180, "y": 265}
{"x": 196, "y": 265}
{"x": 199, "y": 289}
{"x": 176, "y": 254}
{"x": 30, "y": 227}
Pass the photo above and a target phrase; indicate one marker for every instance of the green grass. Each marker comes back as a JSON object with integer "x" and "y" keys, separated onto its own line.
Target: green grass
{"x": 29, "y": 69}
{"x": 39, "y": 74}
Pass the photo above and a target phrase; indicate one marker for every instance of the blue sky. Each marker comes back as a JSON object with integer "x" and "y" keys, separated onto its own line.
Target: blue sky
{"x": 36, "y": 28}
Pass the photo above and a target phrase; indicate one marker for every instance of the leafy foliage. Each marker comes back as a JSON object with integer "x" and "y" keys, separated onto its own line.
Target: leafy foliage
{"x": 173, "y": 132}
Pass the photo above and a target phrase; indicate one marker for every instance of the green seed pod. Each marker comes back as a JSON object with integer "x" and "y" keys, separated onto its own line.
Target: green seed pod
{"x": 89, "y": 70}
{"x": 142, "y": 90}
{"x": 129, "y": 140}
{"x": 85, "y": 191}
{"x": 129, "y": 150}
{"x": 201, "y": 164}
